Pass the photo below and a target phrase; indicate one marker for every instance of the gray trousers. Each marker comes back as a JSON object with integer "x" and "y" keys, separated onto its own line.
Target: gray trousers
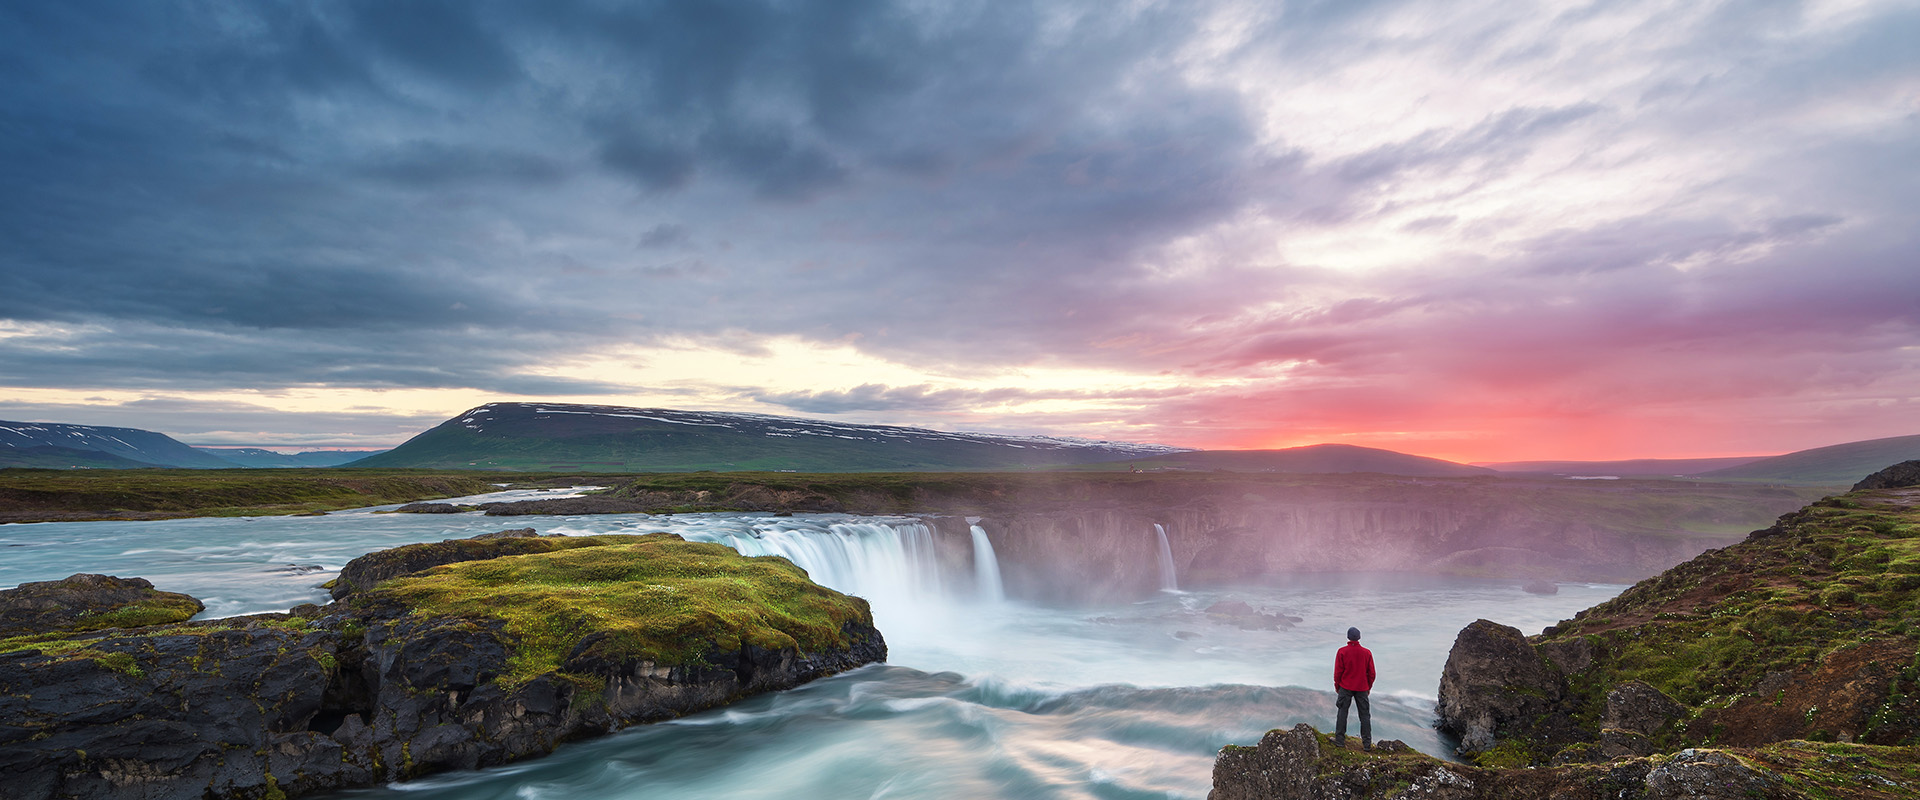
{"x": 1366, "y": 716}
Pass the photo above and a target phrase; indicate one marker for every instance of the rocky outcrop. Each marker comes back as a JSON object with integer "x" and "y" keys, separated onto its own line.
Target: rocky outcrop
{"x": 1301, "y": 764}
{"x": 372, "y": 569}
{"x": 90, "y": 602}
{"x": 1898, "y": 476}
{"x": 385, "y": 686}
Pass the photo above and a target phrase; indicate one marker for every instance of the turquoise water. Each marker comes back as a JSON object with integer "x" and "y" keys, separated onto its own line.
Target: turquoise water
{"x": 980, "y": 698}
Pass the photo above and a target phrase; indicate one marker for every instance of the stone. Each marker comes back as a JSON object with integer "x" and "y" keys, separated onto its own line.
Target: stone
{"x": 1635, "y": 706}
{"x": 89, "y": 602}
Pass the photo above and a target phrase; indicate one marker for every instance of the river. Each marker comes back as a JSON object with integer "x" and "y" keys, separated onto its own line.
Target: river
{"x": 982, "y": 697}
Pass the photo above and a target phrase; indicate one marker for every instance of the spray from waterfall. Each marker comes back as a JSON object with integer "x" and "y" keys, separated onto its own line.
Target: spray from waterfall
{"x": 1168, "y": 581}
{"x": 986, "y": 568}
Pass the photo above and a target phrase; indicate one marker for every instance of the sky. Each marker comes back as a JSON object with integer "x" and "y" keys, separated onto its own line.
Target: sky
{"x": 1471, "y": 230}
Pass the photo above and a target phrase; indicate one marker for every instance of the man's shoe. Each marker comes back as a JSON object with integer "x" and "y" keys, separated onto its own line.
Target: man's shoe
{"x": 1367, "y": 746}
{"x": 1339, "y": 741}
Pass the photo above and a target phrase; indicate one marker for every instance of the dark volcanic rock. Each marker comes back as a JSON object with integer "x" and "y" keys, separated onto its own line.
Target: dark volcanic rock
{"x": 351, "y": 694}
{"x": 89, "y": 602}
{"x": 1637, "y": 707}
{"x": 433, "y": 508}
{"x": 1495, "y": 683}
{"x": 1301, "y": 764}
{"x": 368, "y": 571}
{"x": 223, "y": 708}
{"x": 1898, "y": 476}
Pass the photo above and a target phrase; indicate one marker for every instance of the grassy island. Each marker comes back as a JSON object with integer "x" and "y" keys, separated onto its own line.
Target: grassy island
{"x": 651, "y": 598}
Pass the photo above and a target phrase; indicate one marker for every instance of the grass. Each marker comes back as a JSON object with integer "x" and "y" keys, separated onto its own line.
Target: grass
{"x": 1841, "y": 574}
{"x": 35, "y": 495}
{"x": 651, "y": 598}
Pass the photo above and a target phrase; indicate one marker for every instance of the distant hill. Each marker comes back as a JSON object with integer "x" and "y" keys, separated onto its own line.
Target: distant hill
{"x": 1318, "y": 458}
{"x": 145, "y": 448}
{"x": 560, "y": 436}
{"x": 47, "y": 456}
{"x": 1633, "y": 467}
{"x": 1838, "y": 464}
{"x": 258, "y": 458}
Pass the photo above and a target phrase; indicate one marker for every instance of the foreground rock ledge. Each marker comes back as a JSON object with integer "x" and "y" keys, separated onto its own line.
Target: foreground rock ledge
{"x": 437, "y": 670}
{"x": 1303, "y": 764}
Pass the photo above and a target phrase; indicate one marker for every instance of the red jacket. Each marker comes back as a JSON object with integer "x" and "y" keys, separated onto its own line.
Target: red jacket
{"x": 1353, "y": 668}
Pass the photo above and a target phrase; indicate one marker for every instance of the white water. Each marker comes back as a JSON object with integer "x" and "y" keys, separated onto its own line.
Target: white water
{"x": 986, "y": 569}
{"x": 1169, "y": 582}
{"x": 978, "y": 699}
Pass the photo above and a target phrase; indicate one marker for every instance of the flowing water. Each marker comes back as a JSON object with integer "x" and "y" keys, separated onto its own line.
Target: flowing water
{"x": 982, "y": 697}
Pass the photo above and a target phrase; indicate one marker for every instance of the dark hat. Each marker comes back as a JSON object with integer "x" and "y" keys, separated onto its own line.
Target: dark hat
{"x": 1353, "y": 634}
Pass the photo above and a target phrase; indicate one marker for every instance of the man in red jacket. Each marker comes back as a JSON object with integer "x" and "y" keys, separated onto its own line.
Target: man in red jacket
{"x": 1352, "y": 679}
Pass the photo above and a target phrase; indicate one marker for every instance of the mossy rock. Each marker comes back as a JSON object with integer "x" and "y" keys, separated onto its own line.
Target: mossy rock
{"x": 87, "y": 602}
{"x": 628, "y": 599}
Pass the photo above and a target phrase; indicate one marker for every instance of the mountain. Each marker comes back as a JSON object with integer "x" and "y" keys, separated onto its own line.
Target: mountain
{"x": 257, "y": 458}
{"x": 150, "y": 449}
{"x": 1318, "y": 458}
{"x": 1840, "y": 464}
{"x": 1637, "y": 466}
{"x": 46, "y": 456}
{"x": 559, "y": 436}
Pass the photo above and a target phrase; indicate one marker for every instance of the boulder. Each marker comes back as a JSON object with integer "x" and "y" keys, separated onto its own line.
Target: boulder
{"x": 90, "y": 602}
{"x": 1635, "y": 706}
{"x": 1496, "y": 685}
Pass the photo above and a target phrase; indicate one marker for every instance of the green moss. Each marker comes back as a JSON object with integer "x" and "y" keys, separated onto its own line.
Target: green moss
{"x": 1823, "y": 580}
{"x": 122, "y": 663}
{"x": 1506, "y": 753}
{"x": 652, "y": 598}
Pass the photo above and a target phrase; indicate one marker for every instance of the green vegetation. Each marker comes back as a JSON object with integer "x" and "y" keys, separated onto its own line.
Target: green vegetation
{"x": 646, "y": 598}
{"x": 28, "y": 495}
{"x": 160, "y": 609}
{"x": 1834, "y": 587}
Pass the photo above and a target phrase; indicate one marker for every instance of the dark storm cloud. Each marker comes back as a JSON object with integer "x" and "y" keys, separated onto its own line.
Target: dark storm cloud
{"x": 448, "y": 195}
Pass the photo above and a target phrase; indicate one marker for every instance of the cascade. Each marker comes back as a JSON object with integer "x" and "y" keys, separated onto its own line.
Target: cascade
{"x": 886, "y": 563}
{"x": 1168, "y": 581}
{"x": 986, "y": 568}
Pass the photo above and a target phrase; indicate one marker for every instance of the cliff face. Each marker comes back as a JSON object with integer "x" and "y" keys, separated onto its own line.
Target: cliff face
{"x": 1068, "y": 537}
{"x": 406, "y": 678}
{"x": 1806, "y": 630}
{"x": 1706, "y": 681}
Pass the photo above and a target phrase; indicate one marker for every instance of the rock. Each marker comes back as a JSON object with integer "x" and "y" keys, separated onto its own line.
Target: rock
{"x": 1637, "y": 707}
{"x": 1541, "y": 587}
{"x": 90, "y": 602}
{"x": 1300, "y": 764}
{"x": 385, "y": 689}
{"x": 1495, "y": 685}
{"x": 372, "y": 569}
{"x": 1708, "y": 775}
{"x": 1898, "y": 476}
{"x": 433, "y": 508}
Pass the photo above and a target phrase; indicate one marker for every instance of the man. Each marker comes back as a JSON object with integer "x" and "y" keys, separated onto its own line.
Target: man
{"x": 1352, "y": 679}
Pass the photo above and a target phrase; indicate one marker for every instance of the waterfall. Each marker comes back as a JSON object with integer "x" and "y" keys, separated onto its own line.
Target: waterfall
{"x": 1168, "y": 581}
{"x": 886, "y": 563}
{"x": 986, "y": 568}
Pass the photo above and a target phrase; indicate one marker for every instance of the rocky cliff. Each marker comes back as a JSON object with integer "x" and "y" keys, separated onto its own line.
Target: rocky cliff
{"x": 476, "y": 662}
{"x": 1783, "y": 666}
{"x": 1091, "y": 538}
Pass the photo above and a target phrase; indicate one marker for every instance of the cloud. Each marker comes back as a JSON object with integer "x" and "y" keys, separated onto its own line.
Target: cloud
{"x": 1297, "y": 212}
